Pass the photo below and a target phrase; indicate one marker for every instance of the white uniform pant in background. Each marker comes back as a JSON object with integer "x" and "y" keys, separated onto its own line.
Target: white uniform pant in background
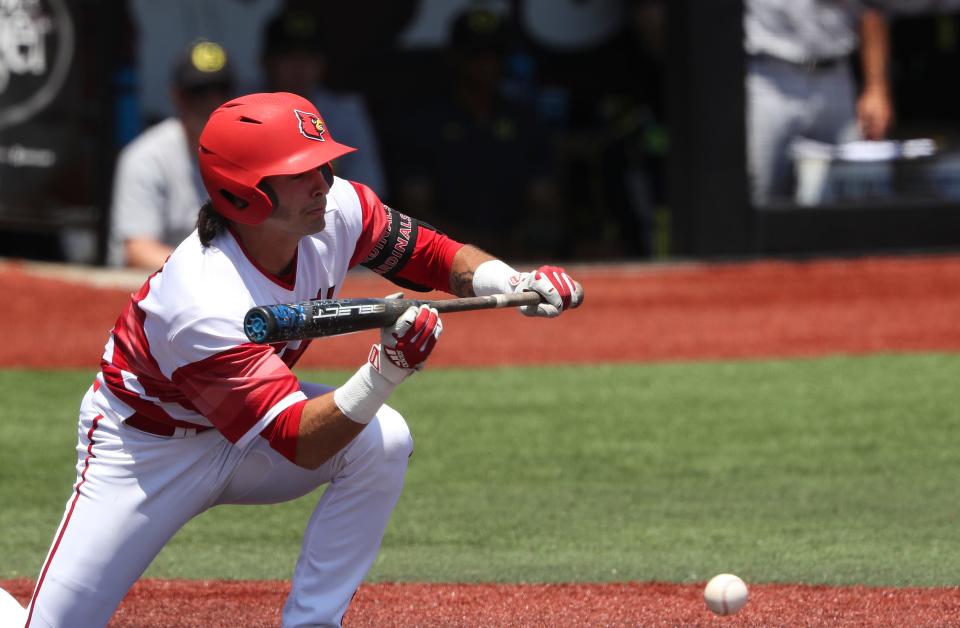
{"x": 135, "y": 490}
{"x": 786, "y": 101}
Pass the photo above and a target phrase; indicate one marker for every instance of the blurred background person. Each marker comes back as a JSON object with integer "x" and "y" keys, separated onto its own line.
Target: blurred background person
{"x": 295, "y": 60}
{"x": 614, "y": 136}
{"x": 800, "y": 82}
{"x": 157, "y": 188}
{"x": 465, "y": 126}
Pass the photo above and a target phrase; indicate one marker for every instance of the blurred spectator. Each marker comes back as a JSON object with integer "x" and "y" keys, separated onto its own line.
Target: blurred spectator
{"x": 800, "y": 82}
{"x": 633, "y": 141}
{"x": 157, "y": 188}
{"x": 442, "y": 141}
{"x": 619, "y": 140}
{"x": 295, "y": 60}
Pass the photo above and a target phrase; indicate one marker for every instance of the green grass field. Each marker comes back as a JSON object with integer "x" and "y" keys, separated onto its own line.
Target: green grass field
{"x": 840, "y": 470}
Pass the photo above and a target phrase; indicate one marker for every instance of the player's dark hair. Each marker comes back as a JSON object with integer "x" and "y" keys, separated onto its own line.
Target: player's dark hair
{"x": 210, "y": 223}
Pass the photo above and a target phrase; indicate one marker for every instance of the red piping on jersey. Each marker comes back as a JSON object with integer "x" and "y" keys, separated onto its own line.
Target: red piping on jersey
{"x": 287, "y": 285}
{"x": 66, "y": 521}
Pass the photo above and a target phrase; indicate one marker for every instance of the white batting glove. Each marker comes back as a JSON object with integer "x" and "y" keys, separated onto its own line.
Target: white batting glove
{"x": 403, "y": 348}
{"x": 554, "y": 285}
{"x": 405, "y": 345}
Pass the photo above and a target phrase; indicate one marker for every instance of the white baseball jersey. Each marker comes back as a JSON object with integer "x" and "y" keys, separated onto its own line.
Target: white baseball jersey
{"x": 178, "y": 354}
{"x": 801, "y": 30}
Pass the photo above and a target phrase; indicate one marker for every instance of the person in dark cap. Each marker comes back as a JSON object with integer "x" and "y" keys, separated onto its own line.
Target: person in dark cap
{"x": 294, "y": 57}
{"x": 157, "y": 187}
{"x": 480, "y": 31}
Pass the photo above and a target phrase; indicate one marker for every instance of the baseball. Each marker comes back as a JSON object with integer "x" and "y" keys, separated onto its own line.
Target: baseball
{"x": 725, "y": 594}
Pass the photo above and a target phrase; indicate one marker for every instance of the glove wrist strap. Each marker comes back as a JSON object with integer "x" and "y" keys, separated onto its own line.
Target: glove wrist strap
{"x": 361, "y": 396}
{"x": 493, "y": 277}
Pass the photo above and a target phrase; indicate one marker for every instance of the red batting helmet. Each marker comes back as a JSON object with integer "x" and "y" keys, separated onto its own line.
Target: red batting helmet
{"x": 256, "y": 136}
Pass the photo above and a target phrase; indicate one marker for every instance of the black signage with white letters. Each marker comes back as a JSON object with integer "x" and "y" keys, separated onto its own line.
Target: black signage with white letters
{"x": 54, "y": 112}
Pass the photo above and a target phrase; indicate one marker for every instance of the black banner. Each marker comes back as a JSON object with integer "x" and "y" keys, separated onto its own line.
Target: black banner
{"x": 54, "y": 107}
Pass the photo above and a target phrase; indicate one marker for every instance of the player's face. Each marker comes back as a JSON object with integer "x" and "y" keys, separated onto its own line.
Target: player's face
{"x": 302, "y": 200}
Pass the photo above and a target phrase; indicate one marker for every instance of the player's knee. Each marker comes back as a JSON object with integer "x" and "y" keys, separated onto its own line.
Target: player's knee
{"x": 380, "y": 461}
{"x": 377, "y": 459}
{"x": 397, "y": 442}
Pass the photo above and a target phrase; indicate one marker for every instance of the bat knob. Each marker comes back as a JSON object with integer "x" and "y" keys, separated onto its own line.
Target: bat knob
{"x": 258, "y": 324}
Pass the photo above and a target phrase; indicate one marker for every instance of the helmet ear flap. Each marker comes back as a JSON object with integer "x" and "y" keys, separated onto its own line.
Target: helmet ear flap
{"x": 270, "y": 193}
{"x": 233, "y": 199}
{"x": 231, "y": 196}
{"x": 252, "y": 208}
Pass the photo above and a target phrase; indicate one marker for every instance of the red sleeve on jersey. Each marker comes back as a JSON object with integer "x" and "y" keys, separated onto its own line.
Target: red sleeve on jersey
{"x": 431, "y": 261}
{"x": 236, "y": 388}
{"x": 403, "y": 249}
{"x": 283, "y": 431}
{"x": 374, "y": 222}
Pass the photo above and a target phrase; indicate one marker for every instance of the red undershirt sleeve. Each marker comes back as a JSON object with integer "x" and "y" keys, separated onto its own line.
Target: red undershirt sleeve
{"x": 402, "y": 249}
{"x": 283, "y": 432}
{"x": 431, "y": 261}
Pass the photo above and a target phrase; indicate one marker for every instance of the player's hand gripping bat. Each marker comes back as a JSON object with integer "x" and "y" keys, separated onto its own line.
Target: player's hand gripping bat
{"x": 332, "y": 317}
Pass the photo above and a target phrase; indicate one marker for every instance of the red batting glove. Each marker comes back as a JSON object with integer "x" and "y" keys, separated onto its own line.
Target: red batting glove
{"x": 555, "y": 286}
{"x": 405, "y": 345}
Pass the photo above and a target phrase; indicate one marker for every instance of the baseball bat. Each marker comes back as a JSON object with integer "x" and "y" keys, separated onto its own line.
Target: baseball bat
{"x": 332, "y": 317}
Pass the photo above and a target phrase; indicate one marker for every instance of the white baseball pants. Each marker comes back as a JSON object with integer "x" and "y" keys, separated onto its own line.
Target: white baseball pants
{"x": 135, "y": 490}
{"x": 784, "y": 102}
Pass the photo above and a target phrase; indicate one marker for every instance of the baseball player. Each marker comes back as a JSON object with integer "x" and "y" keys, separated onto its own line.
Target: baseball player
{"x": 185, "y": 414}
{"x": 800, "y": 82}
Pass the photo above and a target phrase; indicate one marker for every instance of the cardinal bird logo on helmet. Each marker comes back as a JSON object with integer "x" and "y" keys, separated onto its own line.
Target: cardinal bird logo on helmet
{"x": 311, "y": 126}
